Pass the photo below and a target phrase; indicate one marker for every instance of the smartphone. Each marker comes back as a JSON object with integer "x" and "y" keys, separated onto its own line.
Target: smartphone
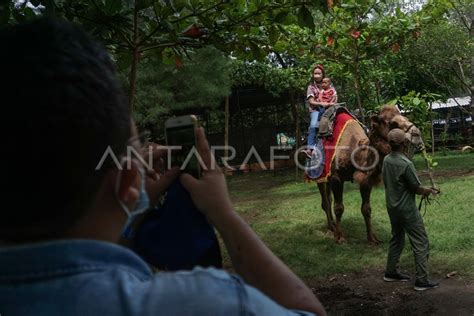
{"x": 181, "y": 131}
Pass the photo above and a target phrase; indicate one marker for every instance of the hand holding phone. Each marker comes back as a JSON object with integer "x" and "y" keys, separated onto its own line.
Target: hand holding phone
{"x": 180, "y": 135}
{"x": 209, "y": 193}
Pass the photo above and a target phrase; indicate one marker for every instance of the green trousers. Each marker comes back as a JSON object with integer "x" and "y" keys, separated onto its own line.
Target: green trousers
{"x": 411, "y": 223}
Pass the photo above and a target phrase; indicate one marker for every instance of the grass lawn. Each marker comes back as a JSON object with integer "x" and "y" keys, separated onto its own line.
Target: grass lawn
{"x": 452, "y": 161}
{"x": 287, "y": 215}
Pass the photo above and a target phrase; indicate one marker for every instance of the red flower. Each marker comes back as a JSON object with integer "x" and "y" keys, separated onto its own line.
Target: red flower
{"x": 330, "y": 41}
{"x": 193, "y": 31}
{"x": 355, "y": 34}
{"x": 178, "y": 62}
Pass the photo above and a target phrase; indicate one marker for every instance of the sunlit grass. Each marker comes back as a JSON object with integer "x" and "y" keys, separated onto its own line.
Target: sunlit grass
{"x": 286, "y": 213}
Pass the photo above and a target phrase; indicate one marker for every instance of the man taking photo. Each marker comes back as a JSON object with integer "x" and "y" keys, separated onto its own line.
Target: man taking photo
{"x": 61, "y": 219}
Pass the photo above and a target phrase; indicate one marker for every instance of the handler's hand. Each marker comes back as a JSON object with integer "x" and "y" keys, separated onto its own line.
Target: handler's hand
{"x": 427, "y": 191}
{"x": 209, "y": 193}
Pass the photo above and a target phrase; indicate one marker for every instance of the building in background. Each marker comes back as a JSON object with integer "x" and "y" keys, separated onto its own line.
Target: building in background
{"x": 452, "y": 123}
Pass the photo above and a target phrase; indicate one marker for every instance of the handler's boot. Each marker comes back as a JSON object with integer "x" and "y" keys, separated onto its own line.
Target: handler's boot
{"x": 393, "y": 277}
{"x": 423, "y": 286}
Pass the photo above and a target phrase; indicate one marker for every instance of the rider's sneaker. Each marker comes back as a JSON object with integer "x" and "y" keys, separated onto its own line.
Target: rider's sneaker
{"x": 308, "y": 152}
{"x": 423, "y": 286}
{"x": 394, "y": 277}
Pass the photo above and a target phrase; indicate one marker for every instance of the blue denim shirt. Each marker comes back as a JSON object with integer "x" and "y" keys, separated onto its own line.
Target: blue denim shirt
{"x": 83, "y": 277}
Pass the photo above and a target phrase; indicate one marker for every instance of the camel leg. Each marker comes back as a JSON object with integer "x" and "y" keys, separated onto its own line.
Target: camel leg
{"x": 337, "y": 187}
{"x": 366, "y": 210}
{"x": 326, "y": 202}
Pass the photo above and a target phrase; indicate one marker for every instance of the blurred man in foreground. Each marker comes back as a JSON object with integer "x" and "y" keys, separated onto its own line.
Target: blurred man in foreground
{"x": 61, "y": 218}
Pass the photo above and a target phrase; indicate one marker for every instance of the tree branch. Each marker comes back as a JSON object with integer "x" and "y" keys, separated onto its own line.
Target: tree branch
{"x": 118, "y": 30}
{"x": 247, "y": 17}
{"x": 461, "y": 80}
{"x": 454, "y": 99}
{"x": 194, "y": 14}
{"x": 461, "y": 16}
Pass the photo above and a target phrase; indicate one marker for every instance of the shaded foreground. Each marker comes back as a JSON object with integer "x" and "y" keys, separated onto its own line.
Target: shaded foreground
{"x": 347, "y": 278}
{"x": 365, "y": 293}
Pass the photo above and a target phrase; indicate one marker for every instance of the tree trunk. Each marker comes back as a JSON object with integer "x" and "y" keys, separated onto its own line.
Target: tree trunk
{"x": 448, "y": 118}
{"x": 133, "y": 79}
{"x": 226, "y": 130}
{"x": 444, "y": 133}
{"x": 377, "y": 90}
{"x": 432, "y": 130}
{"x": 357, "y": 86}
{"x": 377, "y": 84}
{"x": 471, "y": 36}
{"x": 135, "y": 57}
{"x": 296, "y": 121}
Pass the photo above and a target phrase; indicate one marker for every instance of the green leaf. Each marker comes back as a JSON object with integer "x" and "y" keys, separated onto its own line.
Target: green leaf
{"x": 305, "y": 19}
{"x": 282, "y": 30}
{"x": 273, "y": 35}
{"x": 50, "y": 8}
{"x": 206, "y": 21}
{"x": 124, "y": 61}
{"x": 141, "y": 4}
{"x": 113, "y": 7}
{"x": 168, "y": 56}
{"x": 320, "y": 5}
{"x": 281, "y": 17}
{"x": 392, "y": 102}
{"x": 29, "y": 13}
{"x": 416, "y": 101}
{"x": 256, "y": 51}
{"x": 4, "y": 12}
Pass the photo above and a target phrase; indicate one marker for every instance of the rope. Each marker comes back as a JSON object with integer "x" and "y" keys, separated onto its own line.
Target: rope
{"x": 427, "y": 200}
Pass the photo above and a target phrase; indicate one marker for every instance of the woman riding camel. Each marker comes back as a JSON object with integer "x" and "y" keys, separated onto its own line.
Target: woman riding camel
{"x": 315, "y": 105}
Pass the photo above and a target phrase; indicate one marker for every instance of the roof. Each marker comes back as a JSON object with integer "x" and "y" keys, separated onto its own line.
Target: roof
{"x": 452, "y": 102}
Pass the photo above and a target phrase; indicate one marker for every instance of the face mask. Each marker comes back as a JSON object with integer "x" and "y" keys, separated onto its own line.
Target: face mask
{"x": 141, "y": 207}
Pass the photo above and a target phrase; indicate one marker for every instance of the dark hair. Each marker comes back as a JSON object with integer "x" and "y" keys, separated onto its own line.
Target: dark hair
{"x": 63, "y": 106}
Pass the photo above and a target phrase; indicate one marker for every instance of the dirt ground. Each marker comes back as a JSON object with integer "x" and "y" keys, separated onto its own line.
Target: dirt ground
{"x": 366, "y": 293}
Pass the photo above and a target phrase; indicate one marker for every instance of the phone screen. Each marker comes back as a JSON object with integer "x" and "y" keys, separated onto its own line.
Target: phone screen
{"x": 183, "y": 136}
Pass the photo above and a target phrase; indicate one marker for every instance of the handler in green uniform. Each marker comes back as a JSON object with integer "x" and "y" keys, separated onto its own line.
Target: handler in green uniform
{"x": 401, "y": 185}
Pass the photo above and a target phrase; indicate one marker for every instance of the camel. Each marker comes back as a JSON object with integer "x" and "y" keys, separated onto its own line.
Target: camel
{"x": 358, "y": 157}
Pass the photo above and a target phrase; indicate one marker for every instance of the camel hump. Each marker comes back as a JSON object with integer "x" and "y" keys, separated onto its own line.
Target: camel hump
{"x": 354, "y": 150}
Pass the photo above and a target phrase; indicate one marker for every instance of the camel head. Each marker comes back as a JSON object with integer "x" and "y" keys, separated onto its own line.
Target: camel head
{"x": 390, "y": 118}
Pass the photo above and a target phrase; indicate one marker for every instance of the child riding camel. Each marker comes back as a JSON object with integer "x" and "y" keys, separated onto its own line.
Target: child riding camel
{"x": 327, "y": 98}
{"x": 317, "y": 97}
